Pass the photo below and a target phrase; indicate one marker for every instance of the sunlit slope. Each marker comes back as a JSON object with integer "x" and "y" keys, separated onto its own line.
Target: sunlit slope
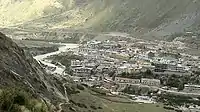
{"x": 51, "y": 13}
{"x": 20, "y": 11}
{"x": 83, "y": 14}
{"x": 141, "y": 16}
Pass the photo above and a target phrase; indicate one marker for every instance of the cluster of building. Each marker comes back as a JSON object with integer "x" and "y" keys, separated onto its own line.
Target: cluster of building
{"x": 110, "y": 58}
{"x": 142, "y": 81}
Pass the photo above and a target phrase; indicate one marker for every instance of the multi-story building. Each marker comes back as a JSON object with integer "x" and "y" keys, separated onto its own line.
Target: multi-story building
{"x": 127, "y": 68}
{"x": 150, "y": 82}
{"x": 94, "y": 44}
{"x": 127, "y": 80}
{"x": 82, "y": 71}
{"x": 84, "y": 50}
{"x": 166, "y": 69}
{"x": 192, "y": 88}
{"x": 76, "y": 63}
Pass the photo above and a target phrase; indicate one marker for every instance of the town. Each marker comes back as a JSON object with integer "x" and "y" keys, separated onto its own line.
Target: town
{"x": 120, "y": 65}
{"x": 145, "y": 71}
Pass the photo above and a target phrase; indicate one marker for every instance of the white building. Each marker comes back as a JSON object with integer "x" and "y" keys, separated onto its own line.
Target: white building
{"x": 84, "y": 50}
{"x": 126, "y": 68}
{"x": 126, "y": 80}
{"x": 76, "y": 63}
{"x": 94, "y": 44}
{"x": 82, "y": 71}
{"x": 150, "y": 82}
{"x": 192, "y": 88}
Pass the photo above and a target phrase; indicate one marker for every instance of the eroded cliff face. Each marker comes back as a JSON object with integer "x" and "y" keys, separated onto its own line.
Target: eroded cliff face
{"x": 18, "y": 69}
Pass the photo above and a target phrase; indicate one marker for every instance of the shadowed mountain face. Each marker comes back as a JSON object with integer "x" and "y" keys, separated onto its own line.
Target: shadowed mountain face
{"x": 18, "y": 69}
{"x": 132, "y": 16}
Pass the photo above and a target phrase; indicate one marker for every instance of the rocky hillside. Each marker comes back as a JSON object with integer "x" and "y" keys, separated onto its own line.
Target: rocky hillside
{"x": 159, "y": 16}
{"x": 20, "y": 75}
{"x": 139, "y": 17}
{"x": 18, "y": 69}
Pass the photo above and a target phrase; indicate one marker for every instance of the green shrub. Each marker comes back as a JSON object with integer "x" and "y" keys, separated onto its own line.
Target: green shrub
{"x": 93, "y": 107}
{"x": 80, "y": 87}
{"x": 10, "y": 98}
{"x": 16, "y": 100}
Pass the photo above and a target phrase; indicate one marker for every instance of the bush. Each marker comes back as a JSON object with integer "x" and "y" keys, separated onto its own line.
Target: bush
{"x": 168, "y": 108}
{"x": 80, "y": 87}
{"x": 100, "y": 108}
{"x": 93, "y": 107}
{"x": 16, "y": 100}
{"x": 9, "y": 98}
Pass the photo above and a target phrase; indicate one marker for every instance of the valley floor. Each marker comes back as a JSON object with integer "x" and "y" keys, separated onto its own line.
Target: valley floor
{"x": 89, "y": 101}
{"x": 103, "y": 103}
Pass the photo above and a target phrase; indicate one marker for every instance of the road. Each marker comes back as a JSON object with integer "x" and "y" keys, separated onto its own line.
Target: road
{"x": 180, "y": 93}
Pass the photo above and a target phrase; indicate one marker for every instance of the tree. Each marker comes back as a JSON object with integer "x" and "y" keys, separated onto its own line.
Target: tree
{"x": 173, "y": 81}
{"x": 148, "y": 74}
{"x": 180, "y": 86}
{"x": 129, "y": 90}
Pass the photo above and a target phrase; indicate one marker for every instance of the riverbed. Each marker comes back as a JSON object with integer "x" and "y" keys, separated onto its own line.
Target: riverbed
{"x": 64, "y": 48}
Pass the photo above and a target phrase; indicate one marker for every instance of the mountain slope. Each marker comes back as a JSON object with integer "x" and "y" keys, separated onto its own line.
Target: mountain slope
{"x": 17, "y": 69}
{"x": 142, "y": 16}
{"x": 131, "y": 16}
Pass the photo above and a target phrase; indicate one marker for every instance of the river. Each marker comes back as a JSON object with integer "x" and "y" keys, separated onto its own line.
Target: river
{"x": 64, "y": 48}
